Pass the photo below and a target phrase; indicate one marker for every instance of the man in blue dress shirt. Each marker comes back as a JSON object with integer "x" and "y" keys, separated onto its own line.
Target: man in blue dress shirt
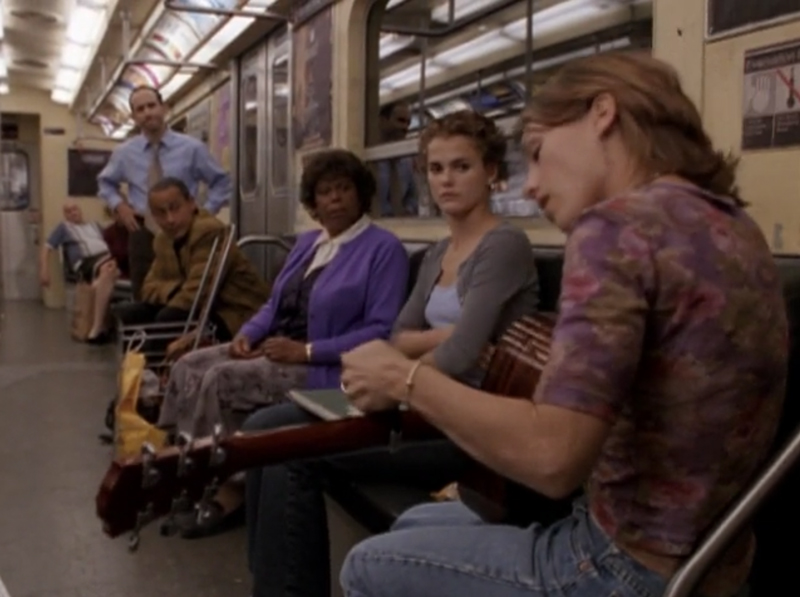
{"x": 142, "y": 161}
{"x": 397, "y": 193}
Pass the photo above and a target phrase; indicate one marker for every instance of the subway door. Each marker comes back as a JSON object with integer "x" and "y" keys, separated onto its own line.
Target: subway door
{"x": 281, "y": 202}
{"x": 251, "y": 208}
{"x": 19, "y": 223}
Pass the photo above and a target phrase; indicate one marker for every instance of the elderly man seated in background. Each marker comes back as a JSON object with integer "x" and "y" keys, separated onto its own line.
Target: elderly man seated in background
{"x": 87, "y": 253}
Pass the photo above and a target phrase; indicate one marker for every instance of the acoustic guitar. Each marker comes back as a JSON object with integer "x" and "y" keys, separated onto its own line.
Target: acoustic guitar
{"x": 137, "y": 490}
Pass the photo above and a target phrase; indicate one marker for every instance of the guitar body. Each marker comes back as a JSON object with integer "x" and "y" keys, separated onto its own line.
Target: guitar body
{"x": 514, "y": 371}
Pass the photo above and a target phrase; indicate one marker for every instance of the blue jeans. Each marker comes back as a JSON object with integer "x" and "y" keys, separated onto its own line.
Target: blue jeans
{"x": 287, "y": 526}
{"x": 445, "y": 550}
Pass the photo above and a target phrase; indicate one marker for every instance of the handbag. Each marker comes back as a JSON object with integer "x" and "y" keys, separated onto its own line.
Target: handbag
{"x": 131, "y": 430}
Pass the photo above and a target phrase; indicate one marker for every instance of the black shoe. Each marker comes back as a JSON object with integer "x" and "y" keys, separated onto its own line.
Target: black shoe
{"x": 99, "y": 339}
{"x": 213, "y": 521}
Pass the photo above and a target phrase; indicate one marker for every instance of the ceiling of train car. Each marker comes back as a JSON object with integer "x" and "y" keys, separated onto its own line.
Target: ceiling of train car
{"x": 31, "y": 35}
{"x": 159, "y": 39}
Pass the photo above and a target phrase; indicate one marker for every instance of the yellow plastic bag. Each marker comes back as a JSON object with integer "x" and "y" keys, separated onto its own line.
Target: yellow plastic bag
{"x": 130, "y": 429}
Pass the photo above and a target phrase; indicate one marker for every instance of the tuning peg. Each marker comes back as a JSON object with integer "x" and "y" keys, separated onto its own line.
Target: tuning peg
{"x": 217, "y": 453}
{"x": 184, "y": 442}
{"x": 150, "y": 474}
{"x": 142, "y": 520}
{"x": 204, "y": 505}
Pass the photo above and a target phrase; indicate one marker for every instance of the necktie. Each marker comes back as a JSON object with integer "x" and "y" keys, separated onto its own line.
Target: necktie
{"x": 154, "y": 174}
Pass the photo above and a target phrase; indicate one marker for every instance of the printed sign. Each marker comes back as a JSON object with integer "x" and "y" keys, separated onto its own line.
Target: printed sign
{"x": 83, "y": 167}
{"x": 313, "y": 83}
{"x": 771, "y": 97}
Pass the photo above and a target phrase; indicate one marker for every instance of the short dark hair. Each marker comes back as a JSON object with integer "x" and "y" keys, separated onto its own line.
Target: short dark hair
{"x": 387, "y": 110}
{"x": 170, "y": 182}
{"x": 144, "y": 88}
{"x": 337, "y": 162}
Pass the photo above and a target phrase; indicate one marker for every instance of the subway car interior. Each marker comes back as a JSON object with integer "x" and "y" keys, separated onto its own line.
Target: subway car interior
{"x": 246, "y": 95}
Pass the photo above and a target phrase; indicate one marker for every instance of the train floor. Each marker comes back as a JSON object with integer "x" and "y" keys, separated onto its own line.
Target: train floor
{"x": 53, "y": 394}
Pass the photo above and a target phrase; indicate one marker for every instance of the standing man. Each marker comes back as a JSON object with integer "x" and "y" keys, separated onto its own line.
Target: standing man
{"x": 397, "y": 194}
{"x": 156, "y": 153}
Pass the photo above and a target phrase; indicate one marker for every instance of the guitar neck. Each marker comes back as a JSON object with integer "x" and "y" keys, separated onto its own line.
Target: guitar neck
{"x": 323, "y": 439}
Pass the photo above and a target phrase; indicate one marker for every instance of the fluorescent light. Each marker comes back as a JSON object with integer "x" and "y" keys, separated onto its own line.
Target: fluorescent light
{"x": 3, "y": 66}
{"x": 391, "y": 43}
{"x": 562, "y": 16}
{"x": 222, "y": 39}
{"x": 485, "y": 44}
{"x": 67, "y": 78}
{"x": 3, "y": 88}
{"x": 174, "y": 85}
{"x": 85, "y": 24}
{"x": 75, "y": 56}
{"x": 410, "y": 75}
{"x": 229, "y": 31}
{"x": 62, "y": 96}
{"x": 122, "y": 131}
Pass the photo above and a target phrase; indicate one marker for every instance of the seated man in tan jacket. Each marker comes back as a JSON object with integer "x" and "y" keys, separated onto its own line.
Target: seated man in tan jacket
{"x": 182, "y": 248}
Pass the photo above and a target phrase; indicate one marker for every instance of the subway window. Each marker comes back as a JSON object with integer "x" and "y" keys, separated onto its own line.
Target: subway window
{"x": 428, "y": 58}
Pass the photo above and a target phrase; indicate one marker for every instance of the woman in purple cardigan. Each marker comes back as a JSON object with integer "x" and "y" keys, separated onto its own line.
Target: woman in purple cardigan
{"x": 341, "y": 286}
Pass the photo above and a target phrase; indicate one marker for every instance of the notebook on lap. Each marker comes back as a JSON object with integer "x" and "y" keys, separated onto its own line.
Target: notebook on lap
{"x": 328, "y": 404}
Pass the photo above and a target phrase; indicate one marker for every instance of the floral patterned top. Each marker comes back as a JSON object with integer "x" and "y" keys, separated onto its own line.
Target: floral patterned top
{"x": 672, "y": 328}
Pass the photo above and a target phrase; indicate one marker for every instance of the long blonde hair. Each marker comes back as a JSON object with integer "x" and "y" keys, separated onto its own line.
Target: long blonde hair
{"x": 658, "y": 122}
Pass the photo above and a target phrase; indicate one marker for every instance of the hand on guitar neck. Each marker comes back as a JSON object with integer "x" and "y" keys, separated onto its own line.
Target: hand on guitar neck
{"x": 135, "y": 491}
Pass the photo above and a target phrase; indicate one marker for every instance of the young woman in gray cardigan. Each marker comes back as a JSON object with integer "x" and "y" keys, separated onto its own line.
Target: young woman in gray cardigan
{"x": 482, "y": 278}
{"x": 449, "y": 326}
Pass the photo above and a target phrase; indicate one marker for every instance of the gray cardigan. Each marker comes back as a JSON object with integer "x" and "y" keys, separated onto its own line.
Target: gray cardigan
{"x": 496, "y": 284}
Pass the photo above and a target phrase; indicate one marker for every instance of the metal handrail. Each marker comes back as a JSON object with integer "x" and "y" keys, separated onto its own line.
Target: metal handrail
{"x": 265, "y": 239}
{"x": 212, "y": 295}
{"x": 734, "y": 522}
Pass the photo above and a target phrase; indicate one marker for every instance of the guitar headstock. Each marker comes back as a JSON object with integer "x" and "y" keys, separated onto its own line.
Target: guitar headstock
{"x": 137, "y": 490}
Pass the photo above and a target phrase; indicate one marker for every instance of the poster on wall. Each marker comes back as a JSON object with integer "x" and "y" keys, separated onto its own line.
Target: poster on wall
{"x": 198, "y": 121}
{"x": 313, "y": 67}
{"x": 223, "y": 126}
{"x": 83, "y": 167}
{"x": 771, "y": 97}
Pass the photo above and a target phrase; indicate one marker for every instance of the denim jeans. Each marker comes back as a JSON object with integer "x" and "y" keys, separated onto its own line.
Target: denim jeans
{"x": 445, "y": 550}
{"x": 287, "y": 526}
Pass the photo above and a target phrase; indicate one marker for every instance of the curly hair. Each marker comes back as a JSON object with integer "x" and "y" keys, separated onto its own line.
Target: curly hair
{"x": 333, "y": 163}
{"x": 489, "y": 139}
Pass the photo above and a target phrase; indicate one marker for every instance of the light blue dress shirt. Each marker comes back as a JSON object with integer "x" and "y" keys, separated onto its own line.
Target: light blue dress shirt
{"x": 405, "y": 173}
{"x": 181, "y": 156}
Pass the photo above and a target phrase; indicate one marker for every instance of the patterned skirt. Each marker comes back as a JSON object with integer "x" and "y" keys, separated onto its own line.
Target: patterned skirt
{"x": 207, "y": 387}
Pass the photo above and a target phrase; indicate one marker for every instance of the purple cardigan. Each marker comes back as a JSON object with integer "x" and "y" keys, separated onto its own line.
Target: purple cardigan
{"x": 356, "y": 298}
